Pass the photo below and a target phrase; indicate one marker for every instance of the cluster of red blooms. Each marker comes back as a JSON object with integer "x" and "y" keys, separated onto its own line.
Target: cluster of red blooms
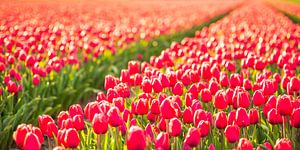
{"x": 221, "y": 79}
{"x": 41, "y": 44}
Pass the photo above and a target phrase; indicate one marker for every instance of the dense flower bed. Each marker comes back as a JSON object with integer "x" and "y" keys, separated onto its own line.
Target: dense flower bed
{"x": 289, "y": 7}
{"x": 234, "y": 85}
{"x": 51, "y": 52}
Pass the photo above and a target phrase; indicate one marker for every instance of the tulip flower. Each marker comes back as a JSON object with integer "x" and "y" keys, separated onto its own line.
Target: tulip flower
{"x": 284, "y": 105}
{"x": 221, "y": 120}
{"x": 204, "y": 128}
{"x": 242, "y": 118}
{"x": 220, "y": 101}
{"x": 188, "y": 115}
{"x": 71, "y": 138}
{"x": 254, "y": 116}
{"x": 177, "y": 89}
{"x": 136, "y": 139}
{"x": 283, "y": 144}
{"x": 193, "y": 137}
{"x": 175, "y": 127}
{"x": 162, "y": 141}
{"x": 258, "y": 98}
{"x": 206, "y": 95}
{"x": 114, "y": 118}
{"x": 244, "y": 144}
{"x": 31, "y": 142}
{"x": 232, "y": 133}
{"x": 295, "y": 121}
{"x": 100, "y": 123}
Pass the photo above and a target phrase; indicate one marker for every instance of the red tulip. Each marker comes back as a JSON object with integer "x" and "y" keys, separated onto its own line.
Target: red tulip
{"x": 188, "y": 115}
{"x": 43, "y": 122}
{"x": 136, "y": 139}
{"x": 266, "y": 145}
{"x": 133, "y": 67}
{"x": 169, "y": 109}
{"x": 36, "y": 80}
{"x": 221, "y": 120}
{"x": 213, "y": 86}
{"x": 20, "y": 134}
{"x": 157, "y": 85}
{"x": 63, "y": 115}
{"x": 220, "y": 100}
{"x": 177, "y": 89}
{"x": 254, "y": 116}
{"x": 162, "y": 141}
{"x": 199, "y": 115}
{"x": 224, "y": 81}
{"x": 149, "y": 132}
{"x": 205, "y": 95}
{"x": 146, "y": 86}
{"x": 142, "y": 107}
{"x": 193, "y": 137}
{"x": 51, "y": 129}
{"x": 204, "y": 128}
{"x": 100, "y": 123}
{"x": 205, "y": 71}
{"x": 232, "y": 133}
{"x": 71, "y": 138}
{"x": 243, "y": 99}
{"x": 32, "y": 142}
{"x": 110, "y": 82}
{"x": 295, "y": 121}
{"x": 114, "y": 117}
{"x": 175, "y": 127}
{"x": 244, "y": 144}
{"x": 274, "y": 117}
{"x": 236, "y": 80}
{"x": 258, "y": 98}
{"x": 284, "y": 105}
{"x": 242, "y": 118}
{"x": 283, "y": 144}
{"x": 155, "y": 107}
{"x": 75, "y": 109}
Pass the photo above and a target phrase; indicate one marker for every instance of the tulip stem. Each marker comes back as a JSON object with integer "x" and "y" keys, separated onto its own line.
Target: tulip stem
{"x": 283, "y": 126}
{"x": 245, "y": 130}
{"x": 167, "y": 126}
{"x": 222, "y": 140}
{"x": 117, "y": 143}
{"x": 98, "y": 141}
{"x": 49, "y": 143}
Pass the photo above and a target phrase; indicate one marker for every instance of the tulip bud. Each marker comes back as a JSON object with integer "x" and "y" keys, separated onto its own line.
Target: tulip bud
{"x": 162, "y": 141}
{"x": 232, "y": 133}
{"x": 175, "y": 127}
{"x": 31, "y": 142}
{"x": 146, "y": 86}
{"x": 205, "y": 95}
{"x": 142, "y": 107}
{"x": 157, "y": 85}
{"x": 71, "y": 138}
{"x": 177, "y": 89}
{"x": 284, "y": 105}
{"x": 295, "y": 121}
{"x": 220, "y": 100}
{"x": 258, "y": 98}
{"x": 193, "y": 137}
{"x": 136, "y": 139}
{"x": 244, "y": 144}
{"x": 242, "y": 118}
{"x": 36, "y": 79}
{"x": 188, "y": 115}
{"x": 254, "y": 116}
{"x": 274, "y": 117}
{"x": 204, "y": 128}
{"x": 114, "y": 117}
{"x": 75, "y": 109}
{"x": 221, "y": 120}
{"x": 283, "y": 144}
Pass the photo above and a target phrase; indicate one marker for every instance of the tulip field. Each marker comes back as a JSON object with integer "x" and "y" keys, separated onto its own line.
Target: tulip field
{"x": 141, "y": 75}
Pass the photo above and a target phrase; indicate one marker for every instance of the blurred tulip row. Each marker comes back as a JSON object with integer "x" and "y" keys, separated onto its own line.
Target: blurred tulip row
{"x": 235, "y": 85}
{"x": 289, "y": 7}
{"x": 54, "y": 54}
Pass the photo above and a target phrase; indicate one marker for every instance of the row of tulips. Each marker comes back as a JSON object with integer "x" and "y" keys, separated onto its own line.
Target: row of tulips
{"x": 48, "y": 63}
{"x": 289, "y": 7}
{"x": 234, "y": 85}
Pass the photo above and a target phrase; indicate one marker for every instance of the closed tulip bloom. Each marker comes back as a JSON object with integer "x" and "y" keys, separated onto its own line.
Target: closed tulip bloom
{"x": 63, "y": 115}
{"x": 114, "y": 117}
{"x": 32, "y": 142}
{"x": 235, "y": 80}
{"x": 221, "y": 120}
{"x": 51, "y": 129}
{"x": 224, "y": 81}
{"x": 258, "y": 98}
{"x": 136, "y": 139}
{"x": 199, "y": 115}
{"x": 243, "y": 99}
{"x": 109, "y": 82}
{"x": 213, "y": 86}
{"x": 67, "y": 123}
{"x": 43, "y": 122}
{"x": 157, "y": 85}
{"x": 169, "y": 110}
{"x": 242, "y": 118}
{"x": 146, "y": 86}
{"x": 188, "y": 115}
{"x": 274, "y": 117}
{"x": 220, "y": 100}
{"x": 231, "y": 117}
{"x": 142, "y": 107}
{"x": 295, "y": 121}
{"x": 149, "y": 132}
{"x": 283, "y": 144}
{"x": 71, "y": 138}
{"x": 133, "y": 67}
{"x": 20, "y": 134}
{"x": 162, "y": 124}
{"x": 247, "y": 84}
{"x": 36, "y": 79}
{"x": 254, "y": 116}
{"x": 245, "y": 144}
{"x": 284, "y": 105}
{"x": 100, "y": 123}
{"x": 266, "y": 145}
{"x": 177, "y": 89}
{"x": 175, "y": 127}
{"x": 232, "y": 133}
{"x": 205, "y": 95}
{"x": 268, "y": 87}
{"x": 75, "y": 109}
{"x": 162, "y": 141}
{"x": 204, "y": 128}
{"x": 193, "y": 137}
{"x": 155, "y": 107}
